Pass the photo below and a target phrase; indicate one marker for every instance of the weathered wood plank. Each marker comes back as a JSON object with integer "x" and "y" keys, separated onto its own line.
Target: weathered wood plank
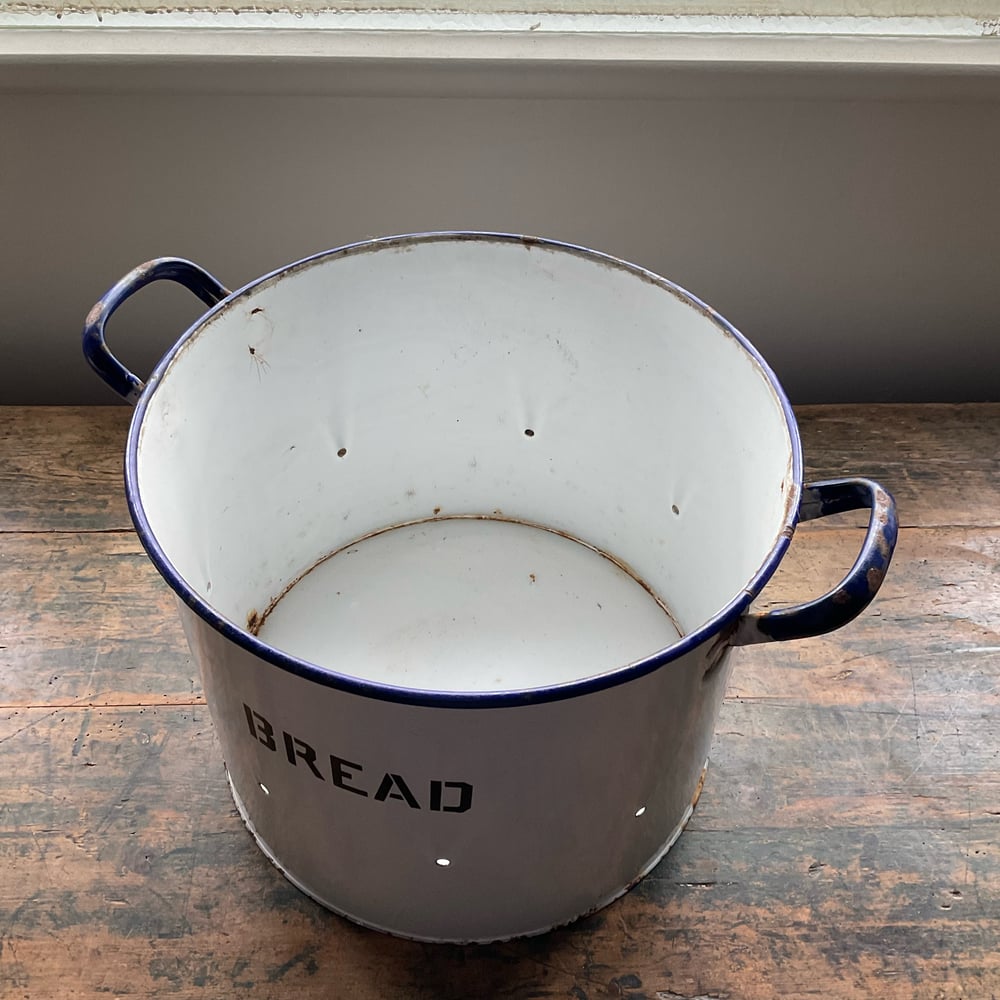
{"x": 62, "y": 468}
{"x": 930, "y": 642}
{"x": 847, "y": 843}
{"x": 807, "y": 767}
{"x": 85, "y": 618}
{"x": 940, "y": 461}
{"x": 129, "y": 873}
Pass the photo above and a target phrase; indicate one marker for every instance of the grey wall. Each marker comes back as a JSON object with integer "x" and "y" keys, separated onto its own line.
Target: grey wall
{"x": 855, "y": 240}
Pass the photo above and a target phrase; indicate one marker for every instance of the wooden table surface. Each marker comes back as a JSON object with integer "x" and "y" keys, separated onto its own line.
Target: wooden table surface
{"x": 847, "y": 843}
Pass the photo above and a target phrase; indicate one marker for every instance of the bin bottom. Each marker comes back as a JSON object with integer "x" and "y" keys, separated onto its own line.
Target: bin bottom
{"x": 469, "y": 604}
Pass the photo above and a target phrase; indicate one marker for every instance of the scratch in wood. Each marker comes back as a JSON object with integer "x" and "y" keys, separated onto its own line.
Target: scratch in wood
{"x": 707, "y": 884}
{"x": 901, "y": 714}
{"x": 779, "y": 704}
{"x": 43, "y": 856}
{"x": 548, "y": 966}
{"x": 85, "y": 703}
{"x": 66, "y": 531}
{"x": 30, "y": 725}
{"x": 968, "y": 834}
{"x": 868, "y": 654}
{"x": 927, "y": 754}
{"x": 670, "y": 995}
{"x": 306, "y": 957}
{"x": 97, "y": 651}
{"x": 916, "y": 710}
{"x": 172, "y": 909}
{"x": 132, "y": 782}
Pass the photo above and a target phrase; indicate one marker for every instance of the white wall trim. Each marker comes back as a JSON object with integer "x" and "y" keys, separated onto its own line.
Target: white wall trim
{"x": 961, "y": 43}
{"x": 949, "y": 26}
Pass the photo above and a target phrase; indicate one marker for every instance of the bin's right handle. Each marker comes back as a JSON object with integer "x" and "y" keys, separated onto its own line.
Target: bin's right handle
{"x": 111, "y": 370}
{"x": 855, "y": 592}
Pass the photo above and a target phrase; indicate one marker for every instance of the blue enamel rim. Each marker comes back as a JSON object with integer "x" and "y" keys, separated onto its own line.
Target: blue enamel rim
{"x": 720, "y": 625}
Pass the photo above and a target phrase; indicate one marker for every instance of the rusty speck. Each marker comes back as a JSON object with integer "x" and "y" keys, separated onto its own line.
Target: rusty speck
{"x": 254, "y": 621}
{"x": 701, "y": 785}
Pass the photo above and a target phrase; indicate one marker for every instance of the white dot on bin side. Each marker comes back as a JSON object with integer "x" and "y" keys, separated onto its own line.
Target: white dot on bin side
{"x": 442, "y": 862}
{"x": 265, "y": 789}
{"x": 640, "y": 811}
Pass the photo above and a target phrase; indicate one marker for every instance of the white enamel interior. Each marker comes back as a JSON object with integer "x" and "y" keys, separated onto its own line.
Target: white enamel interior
{"x": 395, "y": 384}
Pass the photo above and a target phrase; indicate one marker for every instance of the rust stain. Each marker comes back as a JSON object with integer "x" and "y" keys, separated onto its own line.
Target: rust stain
{"x": 258, "y": 359}
{"x": 254, "y": 621}
{"x": 717, "y": 654}
{"x": 874, "y": 576}
{"x": 701, "y": 785}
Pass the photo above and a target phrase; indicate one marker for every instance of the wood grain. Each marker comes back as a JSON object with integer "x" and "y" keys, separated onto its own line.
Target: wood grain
{"x": 793, "y": 880}
{"x": 62, "y": 468}
{"x": 88, "y": 620}
{"x": 846, "y": 845}
{"x": 940, "y": 461}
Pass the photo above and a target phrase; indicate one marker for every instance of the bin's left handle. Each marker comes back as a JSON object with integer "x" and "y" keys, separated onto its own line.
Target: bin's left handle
{"x": 855, "y": 592}
{"x": 95, "y": 350}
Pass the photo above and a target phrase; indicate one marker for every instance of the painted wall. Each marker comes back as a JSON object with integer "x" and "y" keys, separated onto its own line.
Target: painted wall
{"x": 854, "y": 236}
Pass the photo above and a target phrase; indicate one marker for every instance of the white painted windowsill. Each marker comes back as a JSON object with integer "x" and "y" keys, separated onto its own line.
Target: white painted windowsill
{"x": 625, "y": 54}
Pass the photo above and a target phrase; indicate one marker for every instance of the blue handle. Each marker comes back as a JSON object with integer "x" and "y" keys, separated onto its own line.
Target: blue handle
{"x": 855, "y": 592}
{"x": 95, "y": 350}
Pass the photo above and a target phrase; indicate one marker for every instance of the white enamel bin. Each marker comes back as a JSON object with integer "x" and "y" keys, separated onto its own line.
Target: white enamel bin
{"x": 463, "y": 528}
